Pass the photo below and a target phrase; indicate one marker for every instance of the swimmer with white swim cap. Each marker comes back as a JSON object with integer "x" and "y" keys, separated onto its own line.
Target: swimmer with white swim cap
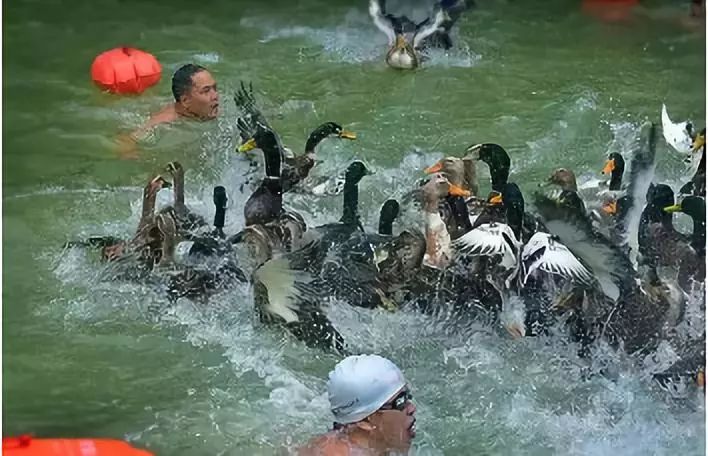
{"x": 372, "y": 409}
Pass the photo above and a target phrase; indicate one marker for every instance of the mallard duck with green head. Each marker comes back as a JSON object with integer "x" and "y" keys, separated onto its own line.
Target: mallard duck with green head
{"x": 296, "y": 167}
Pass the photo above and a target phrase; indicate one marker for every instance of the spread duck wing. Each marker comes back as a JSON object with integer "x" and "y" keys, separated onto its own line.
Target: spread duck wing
{"x": 545, "y": 253}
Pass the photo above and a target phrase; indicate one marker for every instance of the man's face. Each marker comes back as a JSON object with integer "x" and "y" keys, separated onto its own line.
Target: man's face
{"x": 203, "y": 99}
{"x": 394, "y": 423}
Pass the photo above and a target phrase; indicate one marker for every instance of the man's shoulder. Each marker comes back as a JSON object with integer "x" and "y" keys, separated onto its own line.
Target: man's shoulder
{"x": 325, "y": 445}
{"x": 165, "y": 115}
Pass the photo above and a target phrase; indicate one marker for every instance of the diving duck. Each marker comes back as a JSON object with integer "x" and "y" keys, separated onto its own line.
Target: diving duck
{"x": 408, "y": 40}
{"x": 297, "y": 167}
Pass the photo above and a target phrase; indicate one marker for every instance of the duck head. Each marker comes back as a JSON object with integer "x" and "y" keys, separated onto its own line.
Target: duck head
{"x": 459, "y": 171}
{"x": 693, "y": 206}
{"x": 437, "y": 188}
{"x": 614, "y": 166}
{"x": 265, "y": 139}
{"x": 564, "y": 178}
{"x": 327, "y": 130}
{"x": 355, "y": 172}
{"x": 496, "y": 158}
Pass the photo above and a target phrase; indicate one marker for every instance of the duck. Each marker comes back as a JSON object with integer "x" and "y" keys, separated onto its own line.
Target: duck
{"x": 265, "y": 204}
{"x": 461, "y": 172}
{"x": 564, "y": 215}
{"x": 697, "y": 185}
{"x": 438, "y": 253}
{"x": 296, "y": 167}
{"x": 632, "y": 310}
{"x": 269, "y": 228}
{"x": 185, "y": 219}
{"x": 288, "y": 290}
{"x": 692, "y": 262}
{"x": 679, "y": 135}
{"x": 518, "y": 256}
{"x": 407, "y": 40}
{"x": 151, "y": 245}
{"x": 627, "y": 202}
{"x": 658, "y": 240}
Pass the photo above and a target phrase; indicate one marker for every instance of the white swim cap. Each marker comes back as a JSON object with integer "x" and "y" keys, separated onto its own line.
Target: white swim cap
{"x": 359, "y": 385}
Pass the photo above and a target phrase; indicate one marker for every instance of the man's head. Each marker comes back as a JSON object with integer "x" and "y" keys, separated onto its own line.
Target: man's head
{"x": 370, "y": 393}
{"x": 195, "y": 91}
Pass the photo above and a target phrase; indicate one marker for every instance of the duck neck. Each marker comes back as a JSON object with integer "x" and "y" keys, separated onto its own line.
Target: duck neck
{"x": 179, "y": 192}
{"x": 470, "y": 173}
{"x": 699, "y": 234}
{"x": 500, "y": 175}
{"x": 515, "y": 218}
{"x": 272, "y": 163}
{"x": 314, "y": 140}
{"x": 460, "y": 214}
{"x": 148, "y": 211}
{"x": 350, "y": 209}
{"x": 616, "y": 180}
{"x": 437, "y": 241}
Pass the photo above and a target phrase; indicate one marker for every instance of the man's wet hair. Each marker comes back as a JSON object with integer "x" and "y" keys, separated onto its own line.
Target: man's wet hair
{"x": 182, "y": 79}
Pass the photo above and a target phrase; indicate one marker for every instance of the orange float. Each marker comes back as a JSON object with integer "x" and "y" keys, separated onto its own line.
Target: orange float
{"x": 25, "y": 445}
{"x": 125, "y": 70}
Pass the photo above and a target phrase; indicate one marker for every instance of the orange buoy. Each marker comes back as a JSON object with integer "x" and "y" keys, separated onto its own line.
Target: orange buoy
{"x": 125, "y": 70}
{"x": 25, "y": 445}
{"x": 610, "y": 10}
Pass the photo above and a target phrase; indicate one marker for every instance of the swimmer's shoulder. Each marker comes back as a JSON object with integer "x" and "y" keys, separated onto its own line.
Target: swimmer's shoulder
{"x": 325, "y": 445}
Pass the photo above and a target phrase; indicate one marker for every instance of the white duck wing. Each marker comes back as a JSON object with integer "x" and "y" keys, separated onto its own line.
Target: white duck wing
{"x": 491, "y": 240}
{"x": 543, "y": 253}
{"x": 439, "y": 18}
{"x": 377, "y": 13}
{"x": 677, "y": 135}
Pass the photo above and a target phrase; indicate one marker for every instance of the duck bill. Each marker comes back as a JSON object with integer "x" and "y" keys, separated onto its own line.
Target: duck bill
{"x": 496, "y": 199}
{"x": 344, "y": 134}
{"x": 609, "y": 166}
{"x": 698, "y": 143}
{"x": 473, "y": 152}
{"x": 610, "y": 208}
{"x": 455, "y": 190}
{"x": 672, "y": 209}
{"x": 436, "y": 168}
{"x": 160, "y": 182}
{"x": 248, "y": 145}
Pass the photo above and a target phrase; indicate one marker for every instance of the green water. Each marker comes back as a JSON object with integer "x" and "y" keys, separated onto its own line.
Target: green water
{"x": 81, "y": 358}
